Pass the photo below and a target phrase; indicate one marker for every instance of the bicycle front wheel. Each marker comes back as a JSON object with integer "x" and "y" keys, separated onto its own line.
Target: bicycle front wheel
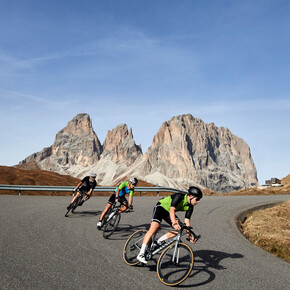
{"x": 133, "y": 247}
{"x": 175, "y": 264}
{"x": 76, "y": 203}
{"x": 66, "y": 215}
{"x": 72, "y": 207}
{"x": 111, "y": 225}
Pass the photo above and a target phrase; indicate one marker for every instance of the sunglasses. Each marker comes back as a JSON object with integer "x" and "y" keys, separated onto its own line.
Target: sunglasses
{"x": 197, "y": 198}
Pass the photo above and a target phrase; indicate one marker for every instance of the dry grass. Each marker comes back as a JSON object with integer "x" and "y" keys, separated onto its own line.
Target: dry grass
{"x": 270, "y": 229}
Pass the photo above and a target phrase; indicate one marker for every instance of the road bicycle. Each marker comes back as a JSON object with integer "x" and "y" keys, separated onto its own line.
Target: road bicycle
{"x": 112, "y": 219}
{"x": 78, "y": 202}
{"x": 175, "y": 262}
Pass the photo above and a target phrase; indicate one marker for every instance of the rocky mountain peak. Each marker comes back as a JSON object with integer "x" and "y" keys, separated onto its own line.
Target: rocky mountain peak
{"x": 120, "y": 145}
{"x": 76, "y": 144}
{"x": 186, "y": 151}
{"x": 79, "y": 125}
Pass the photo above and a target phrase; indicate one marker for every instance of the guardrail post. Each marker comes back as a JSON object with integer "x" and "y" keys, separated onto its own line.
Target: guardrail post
{"x": 157, "y": 193}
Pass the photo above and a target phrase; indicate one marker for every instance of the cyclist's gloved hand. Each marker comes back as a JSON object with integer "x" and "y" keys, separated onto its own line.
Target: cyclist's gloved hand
{"x": 117, "y": 199}
{"x": 191, "y": 239}
{"x": 176, "y": 226}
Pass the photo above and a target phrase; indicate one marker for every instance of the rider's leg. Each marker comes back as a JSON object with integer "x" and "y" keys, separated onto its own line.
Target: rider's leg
{"x": 108, "y": 206}
{"x": 124, "y": 207}
{"x": 158, "y": 214}
{"x": 74, "y": 198}
{"x": 147, "y": 238}
{"x": 170, "y": 234}
{"x": 86, "y": 197}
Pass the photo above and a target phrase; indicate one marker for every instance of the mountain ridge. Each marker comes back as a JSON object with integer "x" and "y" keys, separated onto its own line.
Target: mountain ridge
{"x": 185, "y": 151}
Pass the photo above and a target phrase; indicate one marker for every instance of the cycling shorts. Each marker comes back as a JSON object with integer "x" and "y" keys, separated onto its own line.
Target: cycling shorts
{"x": 83, "y": 190}
{"x": 159, "y": 214}
{"x": 122, "y": 199}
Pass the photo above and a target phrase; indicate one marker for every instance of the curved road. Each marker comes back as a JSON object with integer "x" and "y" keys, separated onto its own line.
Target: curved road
{"x": 41, "y": 249}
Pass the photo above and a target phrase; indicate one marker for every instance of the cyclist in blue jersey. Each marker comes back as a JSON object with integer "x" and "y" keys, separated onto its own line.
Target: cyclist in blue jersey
{"x": 119, "y": 195}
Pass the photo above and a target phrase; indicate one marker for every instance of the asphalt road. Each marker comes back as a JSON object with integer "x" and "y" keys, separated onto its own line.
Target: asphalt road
{"x": 42, "y": 249}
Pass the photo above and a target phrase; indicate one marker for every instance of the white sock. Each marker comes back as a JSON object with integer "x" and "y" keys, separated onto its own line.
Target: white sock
{"x": 163, "y": 238}
{"x": 143, "y": 249}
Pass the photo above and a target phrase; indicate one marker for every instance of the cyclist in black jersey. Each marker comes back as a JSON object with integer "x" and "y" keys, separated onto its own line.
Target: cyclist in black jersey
{"x": 87, "y": 185}
{"x": 166, "y": 209}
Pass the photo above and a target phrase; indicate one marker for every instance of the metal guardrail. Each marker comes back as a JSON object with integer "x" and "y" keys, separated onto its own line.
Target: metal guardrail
{"x": 21, "y": 188}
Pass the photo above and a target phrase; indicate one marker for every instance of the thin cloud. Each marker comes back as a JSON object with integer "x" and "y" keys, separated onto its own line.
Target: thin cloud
{"x": 17, "y": 96}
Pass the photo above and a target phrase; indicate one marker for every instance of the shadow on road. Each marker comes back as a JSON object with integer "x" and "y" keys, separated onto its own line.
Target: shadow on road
{"x": 124, "y": 231}
{"x": 78, "y": 213}
{"x": 204, "y": 261}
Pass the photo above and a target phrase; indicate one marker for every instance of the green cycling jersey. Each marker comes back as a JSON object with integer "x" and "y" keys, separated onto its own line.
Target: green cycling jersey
{"x": 177, "y": 200}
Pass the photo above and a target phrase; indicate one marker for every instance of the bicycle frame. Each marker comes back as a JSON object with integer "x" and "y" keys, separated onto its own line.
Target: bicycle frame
{"x": 82, "y": 194}
{"x": 115, "y": 208}
{"x": 168, "y": 242}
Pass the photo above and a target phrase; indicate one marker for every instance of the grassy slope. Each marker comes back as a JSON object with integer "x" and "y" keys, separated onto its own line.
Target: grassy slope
{"x": 30, "y": 174}
{"x": 269, "y": 229}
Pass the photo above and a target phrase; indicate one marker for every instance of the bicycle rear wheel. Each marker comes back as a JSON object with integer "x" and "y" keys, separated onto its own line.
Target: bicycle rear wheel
{"x": 132, "y": 247}
{"x": 174, "y": 267}
{"x": 111, "y": 225}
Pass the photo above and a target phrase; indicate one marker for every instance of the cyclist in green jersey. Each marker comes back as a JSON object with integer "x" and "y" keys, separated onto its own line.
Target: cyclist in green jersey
{"x": 119, "y": 195}
{"x": 165, "y": 209}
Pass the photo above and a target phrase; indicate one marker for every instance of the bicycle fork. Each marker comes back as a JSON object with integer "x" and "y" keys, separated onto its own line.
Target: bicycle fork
{"x": 175, "y": 256}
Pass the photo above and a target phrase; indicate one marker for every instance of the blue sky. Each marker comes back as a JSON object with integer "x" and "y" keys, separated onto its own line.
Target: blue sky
{"x": 141, "y": 63}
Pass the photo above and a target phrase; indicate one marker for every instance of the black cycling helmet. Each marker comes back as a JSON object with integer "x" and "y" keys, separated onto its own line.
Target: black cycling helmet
{"x": 134, "y": 180}
{"x": 195, "y": 191}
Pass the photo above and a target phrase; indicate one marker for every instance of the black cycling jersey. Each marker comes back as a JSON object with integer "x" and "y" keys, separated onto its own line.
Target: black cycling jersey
{"x": 87, "y": 184}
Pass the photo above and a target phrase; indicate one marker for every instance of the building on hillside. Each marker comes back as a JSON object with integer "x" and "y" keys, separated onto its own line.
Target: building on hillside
{"x": 273, "y": 182}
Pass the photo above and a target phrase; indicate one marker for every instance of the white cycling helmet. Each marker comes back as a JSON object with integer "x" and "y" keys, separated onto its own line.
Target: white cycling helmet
{"x": 93, "y": 175}
{"x": 134, "y": 180}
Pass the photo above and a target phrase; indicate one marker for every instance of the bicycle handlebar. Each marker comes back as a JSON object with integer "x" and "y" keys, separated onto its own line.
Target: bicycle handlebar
{"x": 184, "y": 227}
